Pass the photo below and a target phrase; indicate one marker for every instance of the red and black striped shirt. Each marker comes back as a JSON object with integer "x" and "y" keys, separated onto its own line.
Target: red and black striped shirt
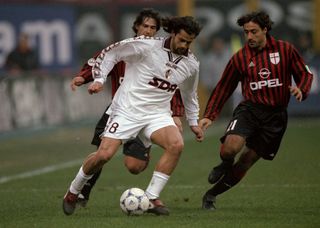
{"x": 117, "y": 74}
{"x": 265, "y": 76}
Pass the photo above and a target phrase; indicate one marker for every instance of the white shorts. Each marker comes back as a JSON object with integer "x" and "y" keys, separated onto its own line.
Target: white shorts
{"x": 120, "y": 127}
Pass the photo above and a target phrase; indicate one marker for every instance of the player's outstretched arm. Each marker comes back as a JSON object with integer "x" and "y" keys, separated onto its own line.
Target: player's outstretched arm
{"x": 205, "y": 123}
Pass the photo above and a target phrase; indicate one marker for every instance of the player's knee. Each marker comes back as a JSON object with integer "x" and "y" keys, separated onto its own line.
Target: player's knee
{"x": 135, "y": 169}
{"x": 229, "y": 151}
{"x": 135, "y": 166}
{"x": 103, "y": 156}
{"x": 176, "y": 147}
{"x": 232, "y": 146}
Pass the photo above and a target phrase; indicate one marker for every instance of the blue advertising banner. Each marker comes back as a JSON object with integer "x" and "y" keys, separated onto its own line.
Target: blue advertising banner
{"x": 49, "y": 27}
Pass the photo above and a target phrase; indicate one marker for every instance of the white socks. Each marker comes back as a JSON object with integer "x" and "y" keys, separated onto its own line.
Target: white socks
{"x": 157, "y": 183}
{"x": 79, "y": 181}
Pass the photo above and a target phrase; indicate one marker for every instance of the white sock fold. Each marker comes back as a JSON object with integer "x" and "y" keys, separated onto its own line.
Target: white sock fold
{"x": 157, "y": 183}
{"x": 79, "y": 181}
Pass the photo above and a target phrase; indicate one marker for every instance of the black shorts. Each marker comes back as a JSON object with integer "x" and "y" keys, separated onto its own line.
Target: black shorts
{"x": 134, "y": 148}
{"x": 262, "y": 126}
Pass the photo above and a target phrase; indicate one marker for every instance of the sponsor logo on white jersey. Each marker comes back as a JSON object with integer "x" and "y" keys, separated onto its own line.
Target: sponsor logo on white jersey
{"x": 163, "y": 84}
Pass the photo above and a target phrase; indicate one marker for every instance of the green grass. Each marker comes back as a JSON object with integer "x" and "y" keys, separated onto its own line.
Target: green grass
{"x": 281, "y": 193}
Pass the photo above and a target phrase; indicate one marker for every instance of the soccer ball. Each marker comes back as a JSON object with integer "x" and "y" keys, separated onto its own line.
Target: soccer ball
{"x": 133, "y": 201}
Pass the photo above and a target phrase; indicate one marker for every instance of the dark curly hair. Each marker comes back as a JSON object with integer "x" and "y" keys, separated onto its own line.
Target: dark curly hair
{"x": 146, "y": 13}
{"x": 187, "y": 23}
{"x": 261, "y": 18}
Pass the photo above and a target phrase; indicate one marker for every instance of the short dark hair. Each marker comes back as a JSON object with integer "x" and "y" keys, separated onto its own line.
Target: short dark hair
{"x": 146, "y": 13}
{"x": 187, "y": 23}
{"x": 261, "y": 18}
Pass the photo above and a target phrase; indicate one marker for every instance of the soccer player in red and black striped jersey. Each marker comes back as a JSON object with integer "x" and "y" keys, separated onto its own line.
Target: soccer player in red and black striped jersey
{"x": 265, "y": 67}
{"x": 136, "y": 154}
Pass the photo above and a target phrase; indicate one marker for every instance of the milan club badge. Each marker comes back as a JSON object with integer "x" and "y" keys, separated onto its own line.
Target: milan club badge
{"x": 274, "y": 58}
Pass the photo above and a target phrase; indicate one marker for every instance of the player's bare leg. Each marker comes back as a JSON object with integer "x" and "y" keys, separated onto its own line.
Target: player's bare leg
{"x": 232, "y": 145}
{"x": 93, "y": 163}
{"x": 170, "y": 139}
{"x": 136, "y": 160}
{"x": 84, "y": 195}
{"x": 137, "y": 156}
{"x": 233, "y": 176}
{"x": 107, "y": 149}
{"x": 134, "y": 165}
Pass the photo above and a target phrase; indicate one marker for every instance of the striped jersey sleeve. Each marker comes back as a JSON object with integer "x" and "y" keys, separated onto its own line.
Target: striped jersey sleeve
{"x": 177, "y": 107}
{"x": 301, "y": 73}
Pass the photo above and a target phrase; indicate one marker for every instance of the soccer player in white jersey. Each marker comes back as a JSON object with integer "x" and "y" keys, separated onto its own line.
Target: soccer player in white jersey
{"x": 155, "y": 68}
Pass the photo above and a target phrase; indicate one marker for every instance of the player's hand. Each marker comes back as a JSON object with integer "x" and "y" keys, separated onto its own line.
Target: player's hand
{"x": 77, "y": 81}
{"x": 198, "y": 132}
{"x": 95, "y": 87}
{"x": 296, "y": 92}
{"x": 205, "y": 123}
{"x": 178, "y": 123}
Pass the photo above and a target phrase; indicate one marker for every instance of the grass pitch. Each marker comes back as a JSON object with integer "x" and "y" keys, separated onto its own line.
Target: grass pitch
{"x": 37, "y": 167}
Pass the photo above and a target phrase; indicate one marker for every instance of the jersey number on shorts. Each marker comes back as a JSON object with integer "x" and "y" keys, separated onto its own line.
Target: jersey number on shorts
{"x": 113, "y": 127}
{"x": 231, "y": 125}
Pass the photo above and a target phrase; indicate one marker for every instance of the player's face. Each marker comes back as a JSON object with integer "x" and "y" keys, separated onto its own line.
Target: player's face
{"x": 181, "y": 42}
{"x": 147, "y": 28}
{"x": 255, "y": 36}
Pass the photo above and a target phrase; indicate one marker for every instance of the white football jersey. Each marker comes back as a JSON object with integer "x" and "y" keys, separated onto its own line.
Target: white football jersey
{"x": 152, "y": 75}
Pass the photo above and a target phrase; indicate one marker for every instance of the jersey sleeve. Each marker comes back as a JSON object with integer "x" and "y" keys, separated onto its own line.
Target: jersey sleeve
{"x": 189, "y": 96}
{"x": 301, "y": 73}
{"x": 126, "y": 50}
{"x": 177, "y": 107}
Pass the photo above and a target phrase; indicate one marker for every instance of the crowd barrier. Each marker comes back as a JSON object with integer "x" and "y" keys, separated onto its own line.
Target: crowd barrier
{"x": 40, "y": 101}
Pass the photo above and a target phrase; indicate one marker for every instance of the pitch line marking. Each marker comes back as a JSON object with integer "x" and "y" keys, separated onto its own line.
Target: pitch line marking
{"x": 46, "y": 169}
{"x": 52, "y": 168}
